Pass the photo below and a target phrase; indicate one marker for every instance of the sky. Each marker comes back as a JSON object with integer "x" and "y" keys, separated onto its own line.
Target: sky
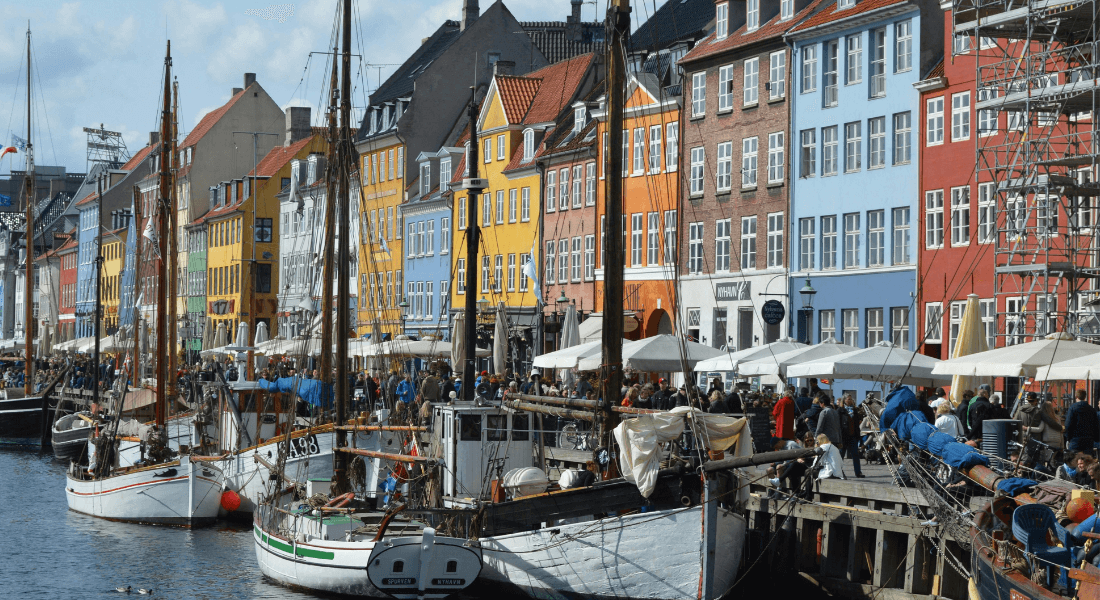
{"x": 98, "y": 62}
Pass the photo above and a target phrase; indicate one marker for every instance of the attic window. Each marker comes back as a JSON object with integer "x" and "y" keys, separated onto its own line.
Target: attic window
{"x": 722, "y": 16}
{"x": 528, "y": 144}
{"x": 493, "y": 58}
{"x": 752, "y": 15}
{"x": 578, "y": 119}
{"x": 425, "y": 179}
{"x": 840, "y": 4}
{"x": 786, "y": 9}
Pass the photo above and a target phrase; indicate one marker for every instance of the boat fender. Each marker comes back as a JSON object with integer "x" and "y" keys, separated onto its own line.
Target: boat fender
{"x": 340, "y": 501}
{"x": 231, "y": 501}
{"x": 972, "y": 590}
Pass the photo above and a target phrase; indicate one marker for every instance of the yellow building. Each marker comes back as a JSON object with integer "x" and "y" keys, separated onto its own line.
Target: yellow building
{"x": 516, "y": 115}
{"x": 114, "y": 256}
{"x": 242, "y": 251}
{"x": 382, "y": 171}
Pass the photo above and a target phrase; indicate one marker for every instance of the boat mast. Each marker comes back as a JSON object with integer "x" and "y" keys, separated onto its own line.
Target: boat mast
{"x": 328, "y": 258}
{"x": 162, "y": 242}
{"x": 28, "y": 276}
{"x": 343, "y": 293}
{"x": 473, "y": 187}
{"x": 98, "y": 286}
{"x": 618, "y": 20}
{"x": 173, "y": 276}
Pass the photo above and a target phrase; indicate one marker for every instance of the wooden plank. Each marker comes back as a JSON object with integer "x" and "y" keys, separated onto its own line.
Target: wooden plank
{"x": 879, "y": 574}
{"x": 568, "y": 455}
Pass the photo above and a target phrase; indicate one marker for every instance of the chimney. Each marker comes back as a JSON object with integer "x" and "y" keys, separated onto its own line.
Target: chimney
{"x": 297, "y": 124}
{"x": 470, "y": 13}
{"x": 250, "y": 78}
{"x": 504, "y": 67}
{"x": 237, "y": 91}
{"x": 576, "y": 16}
{"x": 154, "y": 138}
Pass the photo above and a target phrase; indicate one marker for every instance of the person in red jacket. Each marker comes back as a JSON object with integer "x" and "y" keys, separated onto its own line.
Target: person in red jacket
{"x": 784, "y": 417}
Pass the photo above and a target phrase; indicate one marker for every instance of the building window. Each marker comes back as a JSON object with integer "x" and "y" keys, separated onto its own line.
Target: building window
{"x": 752, "y": 79}
{"x": 263, "y": 229}
{"x": 933, "y": 322}
{"x": 960, "y": 216}
{"x": 827, "y": 325}
{"x": 525, "y": 204}
{"x": 748, "y": 162}
{"x": 429, "y": 294}
{"x": 851, "y": 326}
{"x": 462, "y": 213}
{"x": 933, "y": 220}
{"x": 429, "y": 238}
{"x": 672, "y": 146}
{"x": 551, "y": 191}
{"x": 695, "y": 247}
{"x": 899, "y": 326}
{"x": 752, "y": 14}
{"x": 748, "y": 242}
{"x": 828, "y": 242}
{"x": 806, "y": 244}
{"x": 563, "y": 260}
{"x": 590, "y": 183}
{"x": 693, "y": 315}
{"x": 777, "y": 80}
{"x": 576, "y": 260}
{"x": 725, "y": 88}
{"x": 876, "y": 141}
{"x": 809, "y": 69}
{"x": 670, "y": 240}
{"x": 501, "y": 147}
{"x": 498, "y": 272}
{"x": 512, "y": 205}
{"x": 902, "y": 138}
{"x": 654, "y": 151}
{"x": 960, "y": 116}
{"x": 987, "y": 118}
{"x": 986, "y": 218}
{"x": 578, "y": 181}
{"x": 829, "y": 78}
{"x": 851, "y": 240}
{"x": 445, "y": 235}
{"x": 487, "y": 150}
{"x": 725, "y": 167}
{"x": 989, "y": 321}
{"x": 653, "y": 239}
{"x": 500, "y": 207}
{"x": 425, "y": 179}
{"x": 486, "y": 209}
{"x": 589, "y": 257}
{"x": 722, "y": 245}
{"x": 853, "y": 144}
{"x": 485, "y": 274}
{"x": 551, "y": 249}
{"x": 854, "y": 58}
{"x": 775, "y": 240}
{"x": 808, "y": 155}
{"x": 776, "y": 162}
{"x": 721, "y": 17}
{"x": 263, "y": 278}
{"x": 829, "y": 148}
{"x": 901, "y": 236}
{"x": 696, "y": 171}
{"x": 954, "y": 325}
{"x": 523, "y": 260}
{"x": 934, "y": 130}
{"x": 460, "y": 276}
{"x": 903, "y": 51}
{"x": 444, "y": 172}
{"x": 878, "y": 63}
{"x": 874, "y": 326}
{"x": 511, "y": 272}
{"x": 876, "y": 238}
{"x": 698, "y": 94}
{"x": 528, "y": 145}
{"x": 636, "y": 242}
{"x": 563, "y": 186}
{"x": 786, "y": 9}
{"x": 639, "y": 150}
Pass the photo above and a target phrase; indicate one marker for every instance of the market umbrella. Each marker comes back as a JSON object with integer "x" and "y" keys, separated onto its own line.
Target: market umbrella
{"x": 971, "y": 340}
{"x": 778, "y": 364}
{"x": 1083, "y": 367}
{"x": 1021, "y": 360}
{"x": 570, "y": 336}
{"x": 220, "y": 336}
{"x": 261, "y": 337}
{"x": 881, "y": 362}
{"x": 500, "y": 342}
{"x": 47, "y": 339}
{"x": 377, "y": 365}
{"x": 567, "y": 358}
{"x": 208, "y": 335}
{"x": 115, "y": 343}
{"x": 458, "y": 344}
{"x": 659, "y": 354}
{"x": 729, "y": 361}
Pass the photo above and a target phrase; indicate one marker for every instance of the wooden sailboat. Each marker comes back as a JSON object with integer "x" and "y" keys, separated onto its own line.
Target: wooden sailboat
{"x": 166, "y": 488}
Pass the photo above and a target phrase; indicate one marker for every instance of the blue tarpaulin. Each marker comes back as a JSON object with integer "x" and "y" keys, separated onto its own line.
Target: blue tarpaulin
{"x": 904, "y": 424}
{"x": 938, "y": 441}
{"x": 1016, "y": 485}
{"x": 962, "y": 456}
{"x": 309, "y": 390}
{"x": 921, "y": 433}
{"x": 898, "y": 402}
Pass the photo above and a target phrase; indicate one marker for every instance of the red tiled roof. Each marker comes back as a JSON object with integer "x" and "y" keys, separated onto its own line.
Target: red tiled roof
{"x": 136, "y": 159}
{"x": 831, "y": 13}
{"x": 459, "y": 170}
{"x": 208, "y": 121}
{"x": 71, "y": 244}
{"x": 87, "y": 199}
{"x": 516, "y": 94}
{"x": 223, "y": 210}
{"x": 743, "y": 37}
{"x": 517, "y": 156}
{"x": 559, "y": 85}
{"x": 279, "y": 156}
{"x": 937, "y": 71}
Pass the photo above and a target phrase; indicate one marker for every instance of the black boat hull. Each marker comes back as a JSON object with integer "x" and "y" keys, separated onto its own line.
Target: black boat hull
{"x": 70, "y": 445}
{"x": 22, "y": 422}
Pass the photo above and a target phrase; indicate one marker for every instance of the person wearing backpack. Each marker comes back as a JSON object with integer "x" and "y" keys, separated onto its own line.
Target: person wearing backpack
{"x": 851, "y": 415}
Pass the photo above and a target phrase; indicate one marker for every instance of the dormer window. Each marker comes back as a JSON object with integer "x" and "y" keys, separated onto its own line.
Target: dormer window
{"x": 385, "y": 117}
{"x": 528, "y": 144}
{"x": 722, "y": 27}
{"x": 425, "y": 179}
{"x": 786, "y": 9}
{"x": 578, "y": 119}
{"x": 444, "y": 172}
{"x": 466, "y": 170}
{"x": 840, "y": 4}
{"x": 752, "y": 15}
{"x": 312, "y": 173}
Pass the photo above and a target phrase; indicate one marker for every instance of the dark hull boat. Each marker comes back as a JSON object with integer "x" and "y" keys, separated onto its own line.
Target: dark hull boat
{"x": 69, "y": 437}
{"x": 24, "y": 422}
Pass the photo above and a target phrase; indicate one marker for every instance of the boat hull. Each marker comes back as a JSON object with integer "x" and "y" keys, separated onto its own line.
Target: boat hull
{"x": 21, "y": 422}
{"x": 184, "y": 494}
{"x": 70, "y": 443}
{"x": 655, "y": 555}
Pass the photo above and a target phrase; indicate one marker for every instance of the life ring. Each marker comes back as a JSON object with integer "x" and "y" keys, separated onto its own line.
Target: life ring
{"x": 340, "y": 501}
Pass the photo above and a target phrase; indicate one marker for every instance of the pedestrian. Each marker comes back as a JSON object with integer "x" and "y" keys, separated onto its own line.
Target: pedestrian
{"x": 828, "y": 422}
{"x": 430, "y": 388}
{"x": 783, "y": 413}
{"x": 406, "y": 392}
{"x": 717, "y": 403}
{"x": 1082, "y": 427}
{"x": 829, "y": 464}
{"x": 850, "y": 417}
{"x": 976, "y": 415}
{"x": 948, "y": 422}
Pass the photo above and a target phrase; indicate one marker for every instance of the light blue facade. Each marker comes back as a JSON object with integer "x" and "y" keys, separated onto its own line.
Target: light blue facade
{"x": 854, "y": 173}
{"x": 87, "y": 250}
{"x": 428, "y": 244}
{"x": 126, "y": 284}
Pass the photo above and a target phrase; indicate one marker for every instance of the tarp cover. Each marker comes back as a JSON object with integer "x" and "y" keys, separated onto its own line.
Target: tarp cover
{"x": 938, "y": 441}
{"x": 132, "y": 428}
{"x": 309, "y": 390}
{"x": 899, "y": 401}
{"x": 904, "y": 424}
{"x": 921, "y": 433}
{"x": 962, "y": 456}
{"x": 640, "y": 439}
{"x": 1016, "y": 485}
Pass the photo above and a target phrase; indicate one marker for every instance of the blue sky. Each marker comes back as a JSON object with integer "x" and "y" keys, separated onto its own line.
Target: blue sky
{"x": 101, "y": 62}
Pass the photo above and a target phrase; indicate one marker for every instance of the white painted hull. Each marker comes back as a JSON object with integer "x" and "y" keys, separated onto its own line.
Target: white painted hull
{"x": 185, "y": 494}
{"x": 655, "y": 555}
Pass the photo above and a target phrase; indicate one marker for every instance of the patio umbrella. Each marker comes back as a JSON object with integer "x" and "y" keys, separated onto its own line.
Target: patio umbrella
{"x": 1021, "y": 360}
{"x": 47, "y": 339}
{"x": 500, "y": 342}
{"x": 881, "y": 362}
{"x": 729, "y": 361}
{"x": 377, "y": 365}
{"x": 660, "y": 354}
{"x": 115, "y": 343}
{"x": 971, "y": 340}
{"x": 1083, "y": 367}
{"x": 778, "y": 364}
{"x": 220, "y": 336}
{"x": 208, "y": 335}
{"x": 570, "y": 336}
{"x": 567, "y": 358}
{"x": 458, "y": 344}
{"x": 261, "y": 337}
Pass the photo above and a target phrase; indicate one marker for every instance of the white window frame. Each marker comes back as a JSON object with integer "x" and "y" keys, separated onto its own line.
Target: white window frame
{"x": 698, "y": 156}
{"x": 639, "y": 151}
{"x": 830, "y": 149}
{"x": 933, "y": 133}
{"x": 575, "y": 261}
{"x": 877, "y": 42}
{"x": 695, "y": 247}
{"x": 501, "y": 146}
{"x": 511, "y": 272}
{"x": 853, "y": 61}
{"x": 852, "y": 233}
{"x": 850, "y": 322}
{"x": 551, "y": 191}
{"x": 590, "y": 184}
{"x": 445, "y": 235}
{"x": 563, "y": 189}
{"x": 551, "y": 254}
{"x": 809, "y": 68}
{"x": 750, "y": 148}
{"x": 698, "y": 94}
{"x": 853, "y": 146}
{"x": 903, "y": 138}
{"x": 777, "y": 80}
{"x": 672, "y": 146}
{"x": 752, "y": 15}
{"x": 748, "y": 242}
{"x": 933, "y": 322}
{"x": 722, "y": 245}
{"x": 655, "y": 152}
{"x": 960, "y": 116}
{"x": 987, "y": 223}
{"x": 933, "y": 219}
{"x": 830, "y": 74}
{"x": 807, "y": 238}
{"x": 653, "y": 239}
{"x": 876, "y": 238}
{"x": 589, "y": 257}
{"x": 725, "y": 88}
{"x": 512, "y": 205}
{"x": 525, "y": 205}
{"x": 776, "y": 157}
{"x": 670, "y": 240}
{"x": 808, "y": 153}
{"x": 903, "y": 46}
{"x": 901, "y": 219}
{"x": 752, "y": 80}
{"x": 876, "y": 143}
{"x": 875, "y": 326}
{"x": 828, "y": 242}
{"x": 578, "y": 181}
{"x": 899, "y": 326}
{"x": 776, "y": 225}
{"x": 786, "y": 9}
{"x": 723, "y": 168}
{"x": 637, "y": 239}
{"x": 721, "y": 17}
{"x": 563, "y": 260}
{"x": 500, "y": 207}
{"x": 960, "y": 216}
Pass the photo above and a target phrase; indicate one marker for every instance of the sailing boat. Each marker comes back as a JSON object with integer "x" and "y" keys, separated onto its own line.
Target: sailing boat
{"x": 167, "y": 488}
{"x": 24, "y": 419}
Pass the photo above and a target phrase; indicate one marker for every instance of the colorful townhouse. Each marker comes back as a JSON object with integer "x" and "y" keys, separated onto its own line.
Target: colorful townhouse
{"x": 855, "y": 179}
{"x": 114, "y": 257}
{"x": 421, "y": 106}
{"x": 67, "y": 282}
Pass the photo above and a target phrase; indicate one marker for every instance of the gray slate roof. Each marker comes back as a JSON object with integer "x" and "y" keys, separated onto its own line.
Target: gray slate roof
{"x": 557, "y": 41}
{"x": 675, "y": 20}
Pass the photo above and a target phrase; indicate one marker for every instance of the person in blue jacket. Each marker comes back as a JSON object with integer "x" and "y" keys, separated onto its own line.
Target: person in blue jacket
{"x": 405, "y": 390}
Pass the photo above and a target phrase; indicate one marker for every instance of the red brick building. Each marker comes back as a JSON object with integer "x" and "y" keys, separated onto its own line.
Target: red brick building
{"x": 66, "y": 307}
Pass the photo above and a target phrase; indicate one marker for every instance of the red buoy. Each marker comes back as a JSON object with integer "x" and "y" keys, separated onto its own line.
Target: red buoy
{"x": 231, "y": 500}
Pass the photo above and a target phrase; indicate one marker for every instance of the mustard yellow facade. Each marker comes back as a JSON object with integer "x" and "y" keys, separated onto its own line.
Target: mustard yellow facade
{"x": 114, "y": 255}
{"x": 381, "y": 249}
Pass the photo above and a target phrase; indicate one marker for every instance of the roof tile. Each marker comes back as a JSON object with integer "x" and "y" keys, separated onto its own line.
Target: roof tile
{"x": 559, "y": 85}
{"x": 278, "y": 157}
{"x": 832, "y": 13}
{"x": 208, "y": 121}
{"x": 516, "y": 94}
{"x": 742, "y": 37}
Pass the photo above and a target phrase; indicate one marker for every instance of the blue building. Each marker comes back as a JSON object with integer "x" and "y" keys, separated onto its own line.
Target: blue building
{"x": 87, "y": 250}
{"x": 855, "y": 178}
{"x": 428, "y": 244}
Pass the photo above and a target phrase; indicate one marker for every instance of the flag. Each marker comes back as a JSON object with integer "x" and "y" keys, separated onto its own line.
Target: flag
{"x": 18, "y": 142}
{"x": 5, "y": 200}
{"x": 8, "y": 149}
{"x": 529, "y": 269}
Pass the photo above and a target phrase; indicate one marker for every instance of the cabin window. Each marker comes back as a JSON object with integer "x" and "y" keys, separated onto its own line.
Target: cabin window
{"x": 469, "y": 428}
{"x": 497, "y": 430}
{"x": 398, "y": 566}
{"x": 521, "y": 428}
{"x": 452, "y": 566}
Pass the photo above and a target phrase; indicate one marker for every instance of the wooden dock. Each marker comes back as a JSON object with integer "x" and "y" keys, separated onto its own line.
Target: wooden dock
{"x": 859, "y": 538}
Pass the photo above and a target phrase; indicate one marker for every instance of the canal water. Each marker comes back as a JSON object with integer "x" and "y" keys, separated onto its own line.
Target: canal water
{"x": 52, "y": 553}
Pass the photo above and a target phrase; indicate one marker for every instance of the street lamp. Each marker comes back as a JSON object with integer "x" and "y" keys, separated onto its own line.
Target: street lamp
{"x": 808, "y": 293}
{"x": 404, "y": 306}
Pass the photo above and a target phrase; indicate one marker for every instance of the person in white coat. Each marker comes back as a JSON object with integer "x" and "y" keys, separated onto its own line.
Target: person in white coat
{"x": 948, "y": 422}
{"x": 829, "y": 463}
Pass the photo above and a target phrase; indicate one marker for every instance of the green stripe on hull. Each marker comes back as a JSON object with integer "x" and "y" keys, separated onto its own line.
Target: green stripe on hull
{"x": 303, "y": 552}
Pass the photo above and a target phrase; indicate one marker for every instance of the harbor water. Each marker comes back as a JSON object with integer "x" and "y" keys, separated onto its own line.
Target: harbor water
{"x": 55, "y": 554}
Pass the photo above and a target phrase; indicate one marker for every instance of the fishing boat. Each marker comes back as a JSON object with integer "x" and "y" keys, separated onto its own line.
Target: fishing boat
{"x": 70, "y": 435}
{"x": 165, "y": 487}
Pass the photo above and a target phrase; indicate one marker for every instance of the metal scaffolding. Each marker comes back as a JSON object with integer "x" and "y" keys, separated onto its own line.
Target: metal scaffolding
{"x": 1037, "y": 155}
{"x": 105, "y": 147}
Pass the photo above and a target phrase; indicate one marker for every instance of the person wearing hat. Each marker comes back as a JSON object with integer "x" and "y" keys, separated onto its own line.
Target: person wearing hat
{"x": 663, "y": 395}
{"x": 938, "y": 399}
{"x": 531, "y": 386}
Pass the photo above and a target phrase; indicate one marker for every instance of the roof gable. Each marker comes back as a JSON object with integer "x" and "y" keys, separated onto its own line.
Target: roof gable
{"x": 742, "y": 37}
{"x": 832, "y": 13}
{"x": 279, "y": 157}
{"x": 211, "y": 118}
{"x": 559, "y": 85}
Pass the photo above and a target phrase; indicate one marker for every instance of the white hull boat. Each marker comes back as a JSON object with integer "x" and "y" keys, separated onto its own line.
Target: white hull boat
{"x": 180, "y": 493}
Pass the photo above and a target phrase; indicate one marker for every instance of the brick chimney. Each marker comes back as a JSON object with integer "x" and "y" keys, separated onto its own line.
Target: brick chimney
{"x": 237, "y": 91}
{"x": 249, "y": 79}
{"x": 297, "y": 124}
{"x": 154, "y": 138}
{"x": 576, "y": 16}
{"x": 470, "y": 13}
{"x": 504, "y": 67}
